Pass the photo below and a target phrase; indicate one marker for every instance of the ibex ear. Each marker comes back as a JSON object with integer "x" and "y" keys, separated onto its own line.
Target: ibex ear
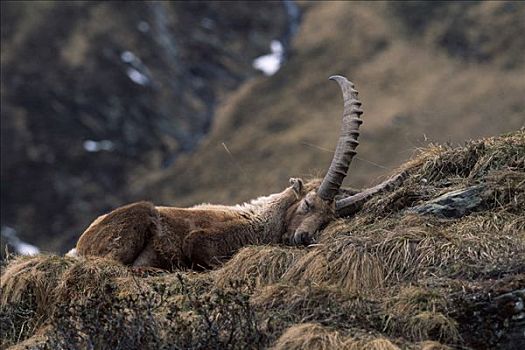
{"x": 297, "y": 185}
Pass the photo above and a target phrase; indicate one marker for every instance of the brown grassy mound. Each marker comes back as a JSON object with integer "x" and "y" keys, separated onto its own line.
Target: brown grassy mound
{"x": 313, "y": 336}
{"x": 309, "y": 336}
{"x": 388, "y": 278}
{"x": 418, "y": 313}
{"x": 33, "y": 278}
{"x": 258, "y": 266}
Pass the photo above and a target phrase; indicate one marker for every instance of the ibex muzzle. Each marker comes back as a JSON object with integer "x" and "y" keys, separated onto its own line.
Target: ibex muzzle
{"x": 142, "y": 234}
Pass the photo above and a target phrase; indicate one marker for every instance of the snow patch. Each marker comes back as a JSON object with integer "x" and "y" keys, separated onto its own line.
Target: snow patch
{"x": 20, "y": 246}
{"x": 137, "y": 77}
{"x": 207, "y": 23}
{"x": 73, "y": 253}
{"x": 128, "y": 57}
{"x": 97, "y": 146}
{"x": 136, "y": 71}
{"x": 143, "y": 26}
{"x": 269, "y": 64}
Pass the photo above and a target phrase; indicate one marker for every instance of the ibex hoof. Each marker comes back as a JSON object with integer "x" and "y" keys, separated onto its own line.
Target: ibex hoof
{"x": 297, "y": 185}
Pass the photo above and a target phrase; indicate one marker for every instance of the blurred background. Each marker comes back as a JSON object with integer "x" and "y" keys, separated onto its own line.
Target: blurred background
{"x": 104, "y": 103}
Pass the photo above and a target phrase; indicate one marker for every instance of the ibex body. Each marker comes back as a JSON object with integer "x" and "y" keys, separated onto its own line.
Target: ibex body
{"x": 142, "y": 234}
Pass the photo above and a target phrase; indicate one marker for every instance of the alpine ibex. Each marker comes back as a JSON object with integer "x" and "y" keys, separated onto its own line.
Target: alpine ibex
{"x": 142, "y": 234}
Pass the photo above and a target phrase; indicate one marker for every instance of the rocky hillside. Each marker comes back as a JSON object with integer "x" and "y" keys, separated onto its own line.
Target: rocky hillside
{"x": 96, "y": 92}
{"x": 436, "y": 263}
{"x": 165, "y": 98}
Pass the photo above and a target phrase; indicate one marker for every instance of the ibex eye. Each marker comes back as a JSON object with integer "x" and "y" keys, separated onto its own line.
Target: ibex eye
{"x": 307, "y": 205}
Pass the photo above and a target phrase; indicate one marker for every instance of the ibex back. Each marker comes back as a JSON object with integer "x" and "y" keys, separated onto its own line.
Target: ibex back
{"x": 142, "y": 234}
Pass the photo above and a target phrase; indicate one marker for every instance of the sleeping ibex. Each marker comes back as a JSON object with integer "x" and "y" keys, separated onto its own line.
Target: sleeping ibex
{"x": 145, "y": 235}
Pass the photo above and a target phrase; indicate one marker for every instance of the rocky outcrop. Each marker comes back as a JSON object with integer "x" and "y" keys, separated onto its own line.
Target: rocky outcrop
{"x": 453, "y": 204}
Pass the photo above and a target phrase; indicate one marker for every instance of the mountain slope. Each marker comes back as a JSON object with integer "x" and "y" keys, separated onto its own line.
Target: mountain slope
{"x": 415, "y": 85}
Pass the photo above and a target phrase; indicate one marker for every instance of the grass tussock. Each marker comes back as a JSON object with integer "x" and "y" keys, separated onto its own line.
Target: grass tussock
{"x": 320, "y": 304}
{"x": 258, "y": 266}
{"x": 89, "y": 277}
{"x": 412, "y": 300}
{"x": 365, "y": 258}
{"x": 384, "y": 279}
{"x": 27, "y": 295}
{"x": 309, "y": 336}
{"x": 431, "y": 325}
{"x": 28, "y": 277}
{"x": 433, "y": 345}
{"x": 474, "y": 161}
{"x": 420, "y": 313}
{"x": 314, "y": 336}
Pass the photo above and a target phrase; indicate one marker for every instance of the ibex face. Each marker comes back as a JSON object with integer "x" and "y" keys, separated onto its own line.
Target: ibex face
{"x": 308, "y": 215}
{"x": 311, "y": 215}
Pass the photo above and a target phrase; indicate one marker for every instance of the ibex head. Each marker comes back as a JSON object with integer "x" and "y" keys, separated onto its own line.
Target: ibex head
{"x": 317, "y": 205}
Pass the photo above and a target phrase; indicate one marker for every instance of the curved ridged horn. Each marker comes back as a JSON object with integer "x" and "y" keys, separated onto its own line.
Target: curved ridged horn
{"x": 351, "y": 204}
{"x": 347, "y": 143}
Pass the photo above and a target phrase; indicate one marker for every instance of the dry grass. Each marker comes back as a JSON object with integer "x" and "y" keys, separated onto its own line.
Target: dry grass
{"x": 309, "y": 336}
{"x": 35, "y": 278}
{"x": 393, "y": 250}
{"x": 38, "y": 341}
{"x": 258, "y": 266}
{"x": 386, "y": 244}
{"x": 385, "y": 279}
{"x": 88, "y": 278}
{"x": 314, "y": 336}
{"x": 433, "y": 345}
{"x": 431, "y": 325}
{"x": 411, "y": 300}
{"x": 328, "y": 306}
{"x": 420, "y": 313}
{"x": 27, "y": 295}
{"x": 475, "y": 160}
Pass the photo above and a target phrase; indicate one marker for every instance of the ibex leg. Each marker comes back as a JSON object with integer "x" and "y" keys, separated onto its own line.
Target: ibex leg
{"x": 122, "y": 234}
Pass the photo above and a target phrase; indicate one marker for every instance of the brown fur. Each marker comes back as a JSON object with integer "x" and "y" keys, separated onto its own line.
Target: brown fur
{"x": 142, "y": 234}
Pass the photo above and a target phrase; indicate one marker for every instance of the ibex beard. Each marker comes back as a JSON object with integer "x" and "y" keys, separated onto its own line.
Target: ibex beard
{"x": 203, "y": 236}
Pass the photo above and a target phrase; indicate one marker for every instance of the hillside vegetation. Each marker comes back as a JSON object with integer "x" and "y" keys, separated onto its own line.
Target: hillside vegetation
{"x": 403, "y": 273}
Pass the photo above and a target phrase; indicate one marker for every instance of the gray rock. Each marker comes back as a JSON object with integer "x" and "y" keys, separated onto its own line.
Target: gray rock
{"x": 453, "y": 204}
